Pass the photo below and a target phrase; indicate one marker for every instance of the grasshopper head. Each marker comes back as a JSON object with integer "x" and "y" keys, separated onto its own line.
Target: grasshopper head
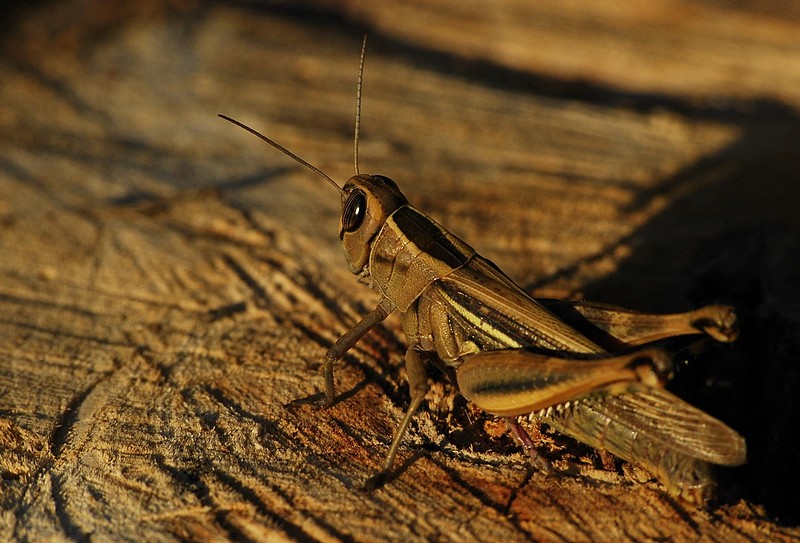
{"x": 367, "y": 201}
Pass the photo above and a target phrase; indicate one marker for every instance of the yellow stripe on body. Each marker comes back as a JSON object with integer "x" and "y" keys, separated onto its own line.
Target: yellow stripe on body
{"x": 481, "y": 324}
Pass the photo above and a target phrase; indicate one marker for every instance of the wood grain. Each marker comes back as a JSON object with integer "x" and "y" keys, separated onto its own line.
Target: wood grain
{"x": 168, "y": 285}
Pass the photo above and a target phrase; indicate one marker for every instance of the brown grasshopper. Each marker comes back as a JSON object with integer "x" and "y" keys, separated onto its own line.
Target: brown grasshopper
{"x": 514, "y": 356}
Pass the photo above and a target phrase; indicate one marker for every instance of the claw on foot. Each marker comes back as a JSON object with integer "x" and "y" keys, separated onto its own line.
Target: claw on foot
{"x": 719, "y": 322}
{"x": 524, "y": 440}
{"x": 376, "y": 481}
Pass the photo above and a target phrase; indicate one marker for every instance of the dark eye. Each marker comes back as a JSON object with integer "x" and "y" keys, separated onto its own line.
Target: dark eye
{"x": 354, "y": 210}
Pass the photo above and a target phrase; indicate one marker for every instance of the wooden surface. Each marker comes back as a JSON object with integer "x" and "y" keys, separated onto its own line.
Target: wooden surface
{"x": 169, "y": 285}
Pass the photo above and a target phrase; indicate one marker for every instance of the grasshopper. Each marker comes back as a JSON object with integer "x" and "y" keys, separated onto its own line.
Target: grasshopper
{"x": 517, "y": 357}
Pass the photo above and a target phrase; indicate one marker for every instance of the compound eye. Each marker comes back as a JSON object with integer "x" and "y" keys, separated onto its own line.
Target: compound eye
{"x": 355, "y": 208}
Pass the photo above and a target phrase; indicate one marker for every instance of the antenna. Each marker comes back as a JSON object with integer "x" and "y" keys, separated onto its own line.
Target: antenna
{"x": 358, "y": 102}
{"x": 286, "y": 151}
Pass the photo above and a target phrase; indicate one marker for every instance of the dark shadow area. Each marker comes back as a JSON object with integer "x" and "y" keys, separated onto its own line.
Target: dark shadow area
{"x": 734, "y": 240}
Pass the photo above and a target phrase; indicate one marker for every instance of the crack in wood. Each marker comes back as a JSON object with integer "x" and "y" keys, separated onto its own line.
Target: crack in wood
{"x": 71, "y": 416}
{"x": 262, "y": 299}
{"x": 65, "y": 520}
{"x": 228, "y": 310}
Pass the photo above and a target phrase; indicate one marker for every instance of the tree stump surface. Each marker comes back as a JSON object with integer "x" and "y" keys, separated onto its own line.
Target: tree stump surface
{"x": 169, "y": 285}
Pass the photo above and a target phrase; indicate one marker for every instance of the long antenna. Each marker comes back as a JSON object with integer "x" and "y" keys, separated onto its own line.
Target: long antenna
{"x": 358, "y": 102}
{"x": 284, "y": 150}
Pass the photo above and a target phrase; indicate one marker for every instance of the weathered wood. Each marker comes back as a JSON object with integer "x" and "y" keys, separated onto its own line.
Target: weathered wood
{"x": 699, "y": 51}
{"x": 168, "y": 286}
